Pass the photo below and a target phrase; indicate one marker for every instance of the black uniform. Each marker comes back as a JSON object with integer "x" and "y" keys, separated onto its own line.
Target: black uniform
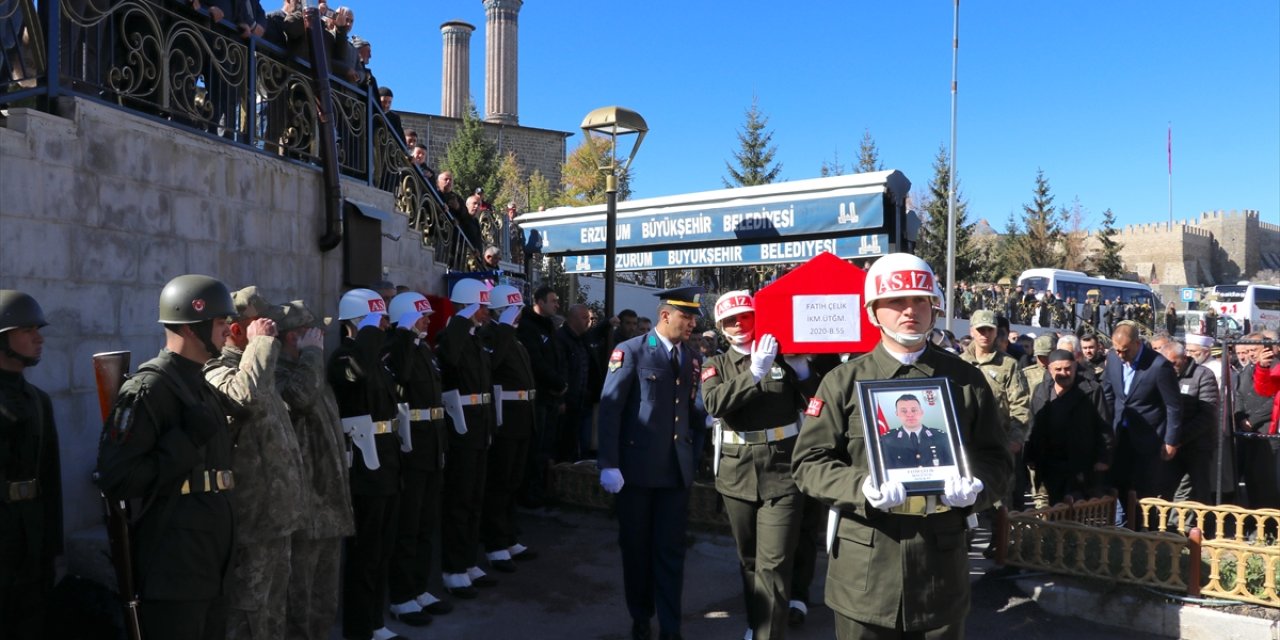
{"x": 512, "y": 371}
{"x": 30, "y": 505}
{"x": 417, "y": 377}
{"x": 537, "y": 334}
{"x": 363, "y": 387}
{"x": 928, "y": 448}
{"x": 166, "y": 444}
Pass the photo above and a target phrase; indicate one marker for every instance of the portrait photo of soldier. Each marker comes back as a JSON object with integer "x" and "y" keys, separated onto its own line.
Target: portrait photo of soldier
{"x": 917, "y": 435}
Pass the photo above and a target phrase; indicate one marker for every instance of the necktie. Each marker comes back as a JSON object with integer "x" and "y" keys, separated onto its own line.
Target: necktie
{"x": 915, "y": 441}
{"x": 675, "y": 361}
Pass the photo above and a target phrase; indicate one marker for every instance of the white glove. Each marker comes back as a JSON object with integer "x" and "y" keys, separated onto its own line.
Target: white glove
{"x": 611, "y": 480}
{"x": 961, "y": 492}
{"x": 311, "y": 338}
{"x": 762, "y": 355}
{"x": 800, "y": 364}
{"x": 371, "y": 320}
{"x": 408, "y": 319}
{"x": 510, "y": 314}
{"x": 890, "y": 494}
{"x": 469, "y": 310}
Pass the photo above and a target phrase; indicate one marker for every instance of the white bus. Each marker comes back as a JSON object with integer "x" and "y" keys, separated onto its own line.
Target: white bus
{"x": 1074, "y": 284}
{"x": 1254, "y": 306}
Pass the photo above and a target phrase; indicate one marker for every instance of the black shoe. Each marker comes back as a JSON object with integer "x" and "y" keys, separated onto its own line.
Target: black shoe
{"x": 795, "y": 618}
{"x": 527, "y": 554}
{"x": 466, "y": 593}
{"x": 484, "y": 582}
{"x": 438, "y": 608}
{"x": 640, "y": 631}
{"x": 413, "y": 618}
{"x": 505, "y": 566}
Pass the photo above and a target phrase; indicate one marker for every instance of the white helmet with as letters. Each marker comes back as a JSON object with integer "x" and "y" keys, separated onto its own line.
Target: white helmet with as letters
{"x": 358, "y": 303}
{"x": 409, "y": 301}
{"x": 470, "y": 291}
{"x": 900, "y": 275}
{"x": 503, "y": 296}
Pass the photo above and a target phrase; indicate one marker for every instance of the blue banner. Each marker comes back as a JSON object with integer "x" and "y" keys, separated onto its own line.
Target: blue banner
{"x": 763, "y": 219}
{"x": 866, "y": 246}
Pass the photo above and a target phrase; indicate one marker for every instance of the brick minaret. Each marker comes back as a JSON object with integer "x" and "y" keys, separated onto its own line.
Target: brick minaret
{"x": 501, "y": 61}
{"x": 455, "y": 73}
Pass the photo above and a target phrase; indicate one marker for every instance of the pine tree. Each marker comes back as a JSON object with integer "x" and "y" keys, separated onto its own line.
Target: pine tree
{"x": 471, "y": 156}
{"x": 932, "y": 247}
{"x": 833, "y": 167}
{"x": 1008, "y": 264}
{"x": 582, "y": 182}
{"x": 1107, "y": 262}
{"x": 868, "y": 154}
{"x": 511, "y": 187}
{"x": 1037, "y": 247}
{"x": 755, "y": 154}
{"x": 541, "y": 195}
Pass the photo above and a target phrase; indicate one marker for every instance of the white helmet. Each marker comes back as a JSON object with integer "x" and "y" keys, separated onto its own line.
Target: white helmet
{"x": 470, "y": 291}
{"x": 358, "y": 303}
{"x": 409, "y": 301}
{"x": 503, "y": 296}
{"x": 900, "y": 275}
{"x": 734, "y": 303}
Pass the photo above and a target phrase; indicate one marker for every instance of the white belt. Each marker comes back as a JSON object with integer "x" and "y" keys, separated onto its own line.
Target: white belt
{"x": 468, "y": 399}
{"x": 529, "y": 394}
{"x": 760, "y": 437}
{"x": 434, "y": 413}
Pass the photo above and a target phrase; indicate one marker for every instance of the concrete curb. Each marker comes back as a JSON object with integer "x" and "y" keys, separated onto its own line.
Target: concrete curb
{"x": 1122, "y": 608}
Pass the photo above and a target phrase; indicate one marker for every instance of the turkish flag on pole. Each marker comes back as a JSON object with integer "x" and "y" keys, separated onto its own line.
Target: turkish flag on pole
{"x": 882, "y": 425}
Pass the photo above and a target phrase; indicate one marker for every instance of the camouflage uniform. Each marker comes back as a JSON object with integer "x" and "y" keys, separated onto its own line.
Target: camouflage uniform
{"x": 267, "y": 502}
{"x": 1012, "y": 399}
{"x": 326, "y": 499}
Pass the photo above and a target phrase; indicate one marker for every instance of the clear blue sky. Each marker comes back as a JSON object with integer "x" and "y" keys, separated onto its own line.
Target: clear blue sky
{"x": 1083, "y": 90}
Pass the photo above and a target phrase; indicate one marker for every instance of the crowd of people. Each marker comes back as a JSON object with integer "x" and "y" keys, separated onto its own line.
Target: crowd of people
{"x": 1049, "y": 309}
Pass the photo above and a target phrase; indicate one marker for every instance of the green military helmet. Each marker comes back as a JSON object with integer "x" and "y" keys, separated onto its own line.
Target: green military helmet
{"x": 18, "y": 309}
{"x": 195, "y": 298}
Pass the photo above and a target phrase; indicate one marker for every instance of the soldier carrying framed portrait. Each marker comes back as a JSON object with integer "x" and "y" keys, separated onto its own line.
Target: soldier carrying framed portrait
{"x": 911, "y": 432}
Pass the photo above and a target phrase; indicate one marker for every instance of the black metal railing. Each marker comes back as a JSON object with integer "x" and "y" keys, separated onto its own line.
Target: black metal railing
{"x": 173, "y": 63}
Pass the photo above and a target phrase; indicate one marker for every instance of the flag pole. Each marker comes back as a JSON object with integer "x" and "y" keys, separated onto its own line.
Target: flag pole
{"x": 1169, "y": 148}
{"x": 949, "y": 303}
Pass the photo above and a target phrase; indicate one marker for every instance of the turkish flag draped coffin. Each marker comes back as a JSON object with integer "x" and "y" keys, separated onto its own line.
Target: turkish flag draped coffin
{"x": 817, "y": 308}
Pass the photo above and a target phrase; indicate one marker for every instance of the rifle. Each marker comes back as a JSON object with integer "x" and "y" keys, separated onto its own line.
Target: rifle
{"x": 109, "y": 370}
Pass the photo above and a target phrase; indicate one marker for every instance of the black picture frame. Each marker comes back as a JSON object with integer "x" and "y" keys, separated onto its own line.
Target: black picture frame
{"x": 938, "y": 450}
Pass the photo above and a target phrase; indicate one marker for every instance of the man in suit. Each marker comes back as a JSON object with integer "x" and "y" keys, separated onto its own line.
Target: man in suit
{"x": 1142, "y": 388}
{"x": 650, "y": 431}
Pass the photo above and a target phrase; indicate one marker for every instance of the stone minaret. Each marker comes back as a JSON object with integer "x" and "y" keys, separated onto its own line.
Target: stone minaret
{"x": 501, "y": 60}
{"x": 455, "y": 74}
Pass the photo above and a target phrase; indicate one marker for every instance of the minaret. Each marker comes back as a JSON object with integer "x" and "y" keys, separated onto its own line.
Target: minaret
{"x": 455, "y": 73}
{"x": 501, "y": 61}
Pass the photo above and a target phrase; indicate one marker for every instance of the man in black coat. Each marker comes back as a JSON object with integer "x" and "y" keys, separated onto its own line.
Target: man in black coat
{"x": 1070, "y": 439}
{"x": 536, "y": 332}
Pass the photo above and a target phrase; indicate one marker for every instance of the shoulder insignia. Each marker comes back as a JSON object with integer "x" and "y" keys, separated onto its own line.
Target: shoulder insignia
{"x": 615, "y": 359}
{"x": 121, "y": 420}
{"x": 708, "y": 373}
{"x": 815, "y": 407}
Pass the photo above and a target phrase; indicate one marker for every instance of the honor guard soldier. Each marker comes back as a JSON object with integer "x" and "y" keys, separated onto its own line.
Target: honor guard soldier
{"x": 166, "y": 447}
{"x": 650, "y": 434}
{"x": 367, "y": 403}
{"x": 316, "y": 552}
{"x": 757, "y": 401}
{"x": 899, "y": 567}
{"x": 30, "y": 473}
{"x": 267, "y": 502}
{"x": 513, "y": 393}
{"x": 417, "y": 378}
{"x": 468, "y": 404}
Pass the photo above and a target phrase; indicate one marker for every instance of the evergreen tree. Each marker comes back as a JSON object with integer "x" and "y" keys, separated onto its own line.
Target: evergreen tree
{"x": 833, "y": 167}
{"x": 1007, "y": 261}
{"x": 541, "y": 195}
{"x": 1107, "y": 262}
{"x": 471, "y": 157}
{"x": 869, "y": 155}
{"x": 511, "y": 187}
{"x": 932, "y": 247}
{"x": 582, "y": 182}
{"x": 755, "y": 154}
{"x": 1037, "y": 247}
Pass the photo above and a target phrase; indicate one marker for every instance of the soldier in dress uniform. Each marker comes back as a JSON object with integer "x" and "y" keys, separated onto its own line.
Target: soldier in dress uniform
{"x": 417, "y": 377}
{"x": 166, "y": 447}
{"x": 513, "y": 389}
{"x": 914, "y": 444}
{"x": 367, "y": 404}
{"x": 899, "y": 567}
{"x": 267, "y": 502}
{"x": 757, "y": 400}
{"x": 650, "y": 433}
{"x": 468, "y": 404}
{"x": 30, "y": 473}
{"x": 316, "y": 553}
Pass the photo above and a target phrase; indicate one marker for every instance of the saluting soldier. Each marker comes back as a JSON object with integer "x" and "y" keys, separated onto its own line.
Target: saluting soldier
{"x": 417, "y": 378}
{"x": 30, "y": 473}
{"x": 367, "y": 404}
{"x": 316, "y": 553}
{"x": 757, "y": 400}
{"x": 267, "y": 502}
{"x": 898, "y": 566}
{"x": 513, "y": 388}
{"x": 468, "y": 404}
{"x": 650, "y": 433}
{"x": 166, "y": 445}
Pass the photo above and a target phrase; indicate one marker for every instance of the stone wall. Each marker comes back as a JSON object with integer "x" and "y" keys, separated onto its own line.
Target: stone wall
{"x": 99, "y": 208}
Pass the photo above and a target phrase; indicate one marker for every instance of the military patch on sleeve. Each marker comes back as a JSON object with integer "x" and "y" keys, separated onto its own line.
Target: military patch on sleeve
{"x": 615, "y": 360}
{"x": 815, "y": 407}
{"x": 119, "y": 429}
{"x": 708, "y": 373}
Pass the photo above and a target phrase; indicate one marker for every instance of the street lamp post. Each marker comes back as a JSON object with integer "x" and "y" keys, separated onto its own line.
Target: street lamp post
{"x": 606, "y": 124}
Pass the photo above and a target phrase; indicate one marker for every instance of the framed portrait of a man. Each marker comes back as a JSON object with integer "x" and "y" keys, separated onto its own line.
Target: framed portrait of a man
{"x": 911, "y": 432}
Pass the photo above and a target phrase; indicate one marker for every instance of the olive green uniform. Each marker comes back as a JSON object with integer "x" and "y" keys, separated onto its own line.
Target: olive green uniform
{"x": 764, "y": 506}
{"x": 891, "y": 569}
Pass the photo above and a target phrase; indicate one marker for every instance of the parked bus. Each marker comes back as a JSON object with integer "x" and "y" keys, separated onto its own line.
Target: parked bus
{"x": 1080, "y": 286}
{"x": 1254, "y": 306}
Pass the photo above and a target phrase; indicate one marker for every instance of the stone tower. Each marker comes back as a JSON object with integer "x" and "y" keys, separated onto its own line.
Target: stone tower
{"x": 501, "y": 61}
{"x": 455, "y": 74}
